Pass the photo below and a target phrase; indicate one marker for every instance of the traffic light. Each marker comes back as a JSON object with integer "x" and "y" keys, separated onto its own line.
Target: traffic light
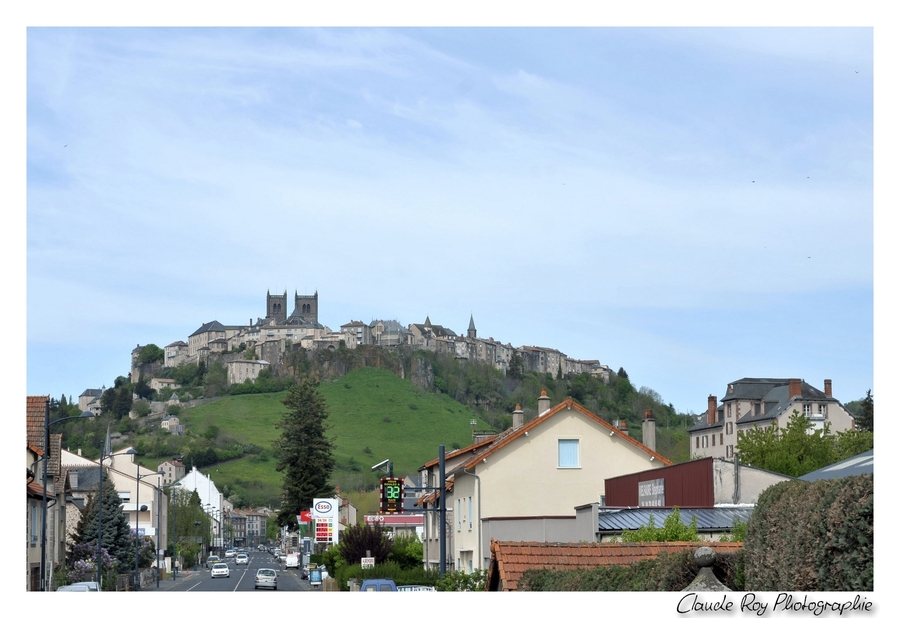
{"x": 391, "y": 496}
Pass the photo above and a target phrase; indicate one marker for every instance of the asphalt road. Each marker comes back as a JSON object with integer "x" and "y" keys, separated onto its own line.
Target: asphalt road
{"x": 241, "y": 578}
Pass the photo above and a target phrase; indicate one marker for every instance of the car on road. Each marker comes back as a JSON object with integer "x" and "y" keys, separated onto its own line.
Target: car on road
{"x": 212, "y": 559}
{"x": 220, "y": 569}
{"x": 229, "y": 553}
{"x": 292, "y": 561}
{"x": 242, "y": 559}
{"x": 92, "y": 586}
{"x": 378, "y": 585}
{"x": 266, "y": 578}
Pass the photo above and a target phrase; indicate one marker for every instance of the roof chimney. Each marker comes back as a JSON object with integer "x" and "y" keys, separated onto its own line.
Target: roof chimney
{"x": 543, "y": 402}
{"x": 711, "y": 410}
{"x": 828, "y": 388}
{"x": 648, "y": 430}
{"x": 518, "y": 417}
{"x": 794, "y": 388}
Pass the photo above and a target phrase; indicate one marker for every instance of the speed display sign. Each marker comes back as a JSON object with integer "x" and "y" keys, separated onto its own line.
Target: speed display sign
{"x": 391, "y": 495}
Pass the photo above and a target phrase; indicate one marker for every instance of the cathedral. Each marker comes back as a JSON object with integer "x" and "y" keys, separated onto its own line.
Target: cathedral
{"x": 306, "y": 309}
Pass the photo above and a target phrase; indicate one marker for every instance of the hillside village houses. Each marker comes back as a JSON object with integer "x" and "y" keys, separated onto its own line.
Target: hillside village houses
{"x": 272, "y": 336}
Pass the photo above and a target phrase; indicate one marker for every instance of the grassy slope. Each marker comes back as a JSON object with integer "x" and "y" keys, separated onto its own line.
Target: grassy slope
{"x": 374, "y": 415}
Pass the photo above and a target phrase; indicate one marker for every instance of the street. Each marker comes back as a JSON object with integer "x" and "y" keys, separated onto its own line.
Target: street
{"x": 241, "y": 579}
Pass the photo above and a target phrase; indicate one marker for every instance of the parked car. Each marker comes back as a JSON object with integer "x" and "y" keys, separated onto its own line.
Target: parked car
{"x": 92, "y": 586}
{"x": 73, "y": 588}
{"x": 242, "y": 559}
{"x": 378, "y": 585}
{"x": 266, "y": 578}
{"x": 304, "y": 573}
{"x": 220, "y": 569}
{"x": 292, "y": 561}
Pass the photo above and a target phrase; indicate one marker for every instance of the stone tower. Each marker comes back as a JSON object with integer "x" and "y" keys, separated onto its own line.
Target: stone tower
{"x": 307, "y": 306}
{"x": 276, "y": 307}
{"x": 471, "y": 331}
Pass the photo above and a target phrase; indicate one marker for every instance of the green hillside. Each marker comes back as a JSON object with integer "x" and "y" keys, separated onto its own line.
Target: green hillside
{"x": 374, "y": 415}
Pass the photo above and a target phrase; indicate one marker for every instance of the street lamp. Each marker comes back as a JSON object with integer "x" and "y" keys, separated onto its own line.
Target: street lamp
{"x": 130, "y": 451}
{"x": 137, "y": 516}
{"x": 47, "y": 424}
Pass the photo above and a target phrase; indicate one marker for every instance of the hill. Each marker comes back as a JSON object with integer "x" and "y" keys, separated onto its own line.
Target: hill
{"x": 373, "y": 415}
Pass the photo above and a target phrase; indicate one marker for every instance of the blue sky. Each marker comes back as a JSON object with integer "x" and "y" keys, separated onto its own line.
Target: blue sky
{"x": 694, "y": 205}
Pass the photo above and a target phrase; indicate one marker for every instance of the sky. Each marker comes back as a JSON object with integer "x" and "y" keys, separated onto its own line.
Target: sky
{"x": 692, "y": 205}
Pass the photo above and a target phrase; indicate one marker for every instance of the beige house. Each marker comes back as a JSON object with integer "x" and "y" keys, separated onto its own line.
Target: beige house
{"x": 172, "y": 471}
{"x": 759, "y": 403}
{"x": 525, "y": 483}
{"x": 242, "y": 370}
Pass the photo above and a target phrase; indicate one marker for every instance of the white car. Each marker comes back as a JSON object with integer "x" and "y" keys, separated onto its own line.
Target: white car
{"x": 229, "y": 553}
{"x": 220, "y": 569}
{"x": 242, "y": 559}
{"x": 266, "y": 578}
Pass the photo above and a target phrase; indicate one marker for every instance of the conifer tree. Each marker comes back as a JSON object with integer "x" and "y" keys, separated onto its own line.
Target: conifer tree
{"x": 117, "y": 540}
{"x": 304, "y": 452}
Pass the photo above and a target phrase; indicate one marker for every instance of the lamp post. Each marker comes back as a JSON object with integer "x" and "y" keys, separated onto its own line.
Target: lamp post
{"x": 130, "y": 451}
{"x": 47, "y": 424}
{"x": 137, "y": 516}
{"x": 158, "y": 523}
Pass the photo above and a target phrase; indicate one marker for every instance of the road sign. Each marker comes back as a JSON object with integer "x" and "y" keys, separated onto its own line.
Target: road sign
{"x": 391, "y": 495}
{"x": 368, "y": 563}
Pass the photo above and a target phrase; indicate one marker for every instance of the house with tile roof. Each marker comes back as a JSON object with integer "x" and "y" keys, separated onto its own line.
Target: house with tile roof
{"x": 36, "y": 409}
{"x": 751, "y": 403}
{"x": 524, "y": 484}
{"x": 510, "y": 559}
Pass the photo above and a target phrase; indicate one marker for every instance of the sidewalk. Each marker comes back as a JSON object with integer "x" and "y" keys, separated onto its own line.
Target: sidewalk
{"x": 169, "y": 583}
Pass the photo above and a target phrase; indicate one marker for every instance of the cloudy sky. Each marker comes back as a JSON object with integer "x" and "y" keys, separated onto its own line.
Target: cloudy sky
{"x": 694, "y": 205}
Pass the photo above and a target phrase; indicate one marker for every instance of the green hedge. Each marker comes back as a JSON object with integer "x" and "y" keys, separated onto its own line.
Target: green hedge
{"x": 813, "y": 536}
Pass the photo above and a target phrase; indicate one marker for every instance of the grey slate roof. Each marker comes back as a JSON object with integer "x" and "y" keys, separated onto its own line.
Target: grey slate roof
{"x": 214, "y": 326}
{"x": 864, "y": 463}
{"x": 716, "y": 519}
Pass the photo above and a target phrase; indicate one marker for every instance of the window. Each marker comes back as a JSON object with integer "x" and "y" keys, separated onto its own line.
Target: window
{"x": 568, "y": 453}
{"x": 714, "y": 439}
{"x": 721, "y": 438}
{"x": 698, "y": 441}
{"x": 458, "y": 517}
{"x": 729, "y": 451}
{"x": 470, "y": 512}
{"x": 807, "y": 409}
{"x": 729, "y": 428}
{"x": 728, "y": 408}
{"x": 823, "y": 409}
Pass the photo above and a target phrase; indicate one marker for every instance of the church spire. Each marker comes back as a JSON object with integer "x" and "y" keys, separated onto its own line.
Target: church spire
{"x": 471, "y": 330}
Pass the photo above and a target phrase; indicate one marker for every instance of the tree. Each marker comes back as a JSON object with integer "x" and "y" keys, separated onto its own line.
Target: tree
{"x": 361, "y": 541}
{"x": 866, "y": 420}
{"x": 116, "y": 539}
{"x": 516, "y": 366}
{"x": 798, "y": 449}
{"x": 305, "y": 454}
{"x": 150, "y": 353}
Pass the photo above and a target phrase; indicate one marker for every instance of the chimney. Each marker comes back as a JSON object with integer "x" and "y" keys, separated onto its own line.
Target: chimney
{"x": 648, "y": 430}
{"x": 711, "y": 410}
{"x": 543, "y": 402}
{"x": 518, "y": 417}
{"x": 793, "y": 388}
{"x": 828, "y": 388}
{"x": 622, "y": 427}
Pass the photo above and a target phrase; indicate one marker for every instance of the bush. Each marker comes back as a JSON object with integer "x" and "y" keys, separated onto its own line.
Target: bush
{"x": 812, "y": 536}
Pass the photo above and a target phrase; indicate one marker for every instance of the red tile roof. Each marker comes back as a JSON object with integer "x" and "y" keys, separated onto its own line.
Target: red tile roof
{"x": 511, "y": 434}
{"x": 510, "y": 559}
{"x": 35, "y": 409}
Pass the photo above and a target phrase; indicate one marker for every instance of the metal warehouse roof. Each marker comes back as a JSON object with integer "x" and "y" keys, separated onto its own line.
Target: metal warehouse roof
{"x": 714, "y": 519}
{"x": 864, "y": 463}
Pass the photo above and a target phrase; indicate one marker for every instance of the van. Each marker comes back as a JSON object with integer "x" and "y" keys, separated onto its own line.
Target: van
{"x": 292, "y": 561}
{"x": 378, "y": 585}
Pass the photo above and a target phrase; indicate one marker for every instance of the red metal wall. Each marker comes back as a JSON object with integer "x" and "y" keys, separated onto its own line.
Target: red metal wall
{"x": 688, "y": 485}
